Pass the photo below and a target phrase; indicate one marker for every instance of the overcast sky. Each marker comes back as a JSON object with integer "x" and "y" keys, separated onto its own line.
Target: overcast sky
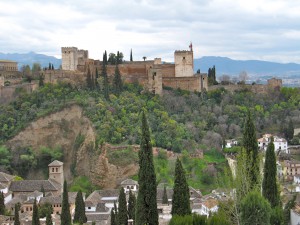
{"x": 239, "y": 29}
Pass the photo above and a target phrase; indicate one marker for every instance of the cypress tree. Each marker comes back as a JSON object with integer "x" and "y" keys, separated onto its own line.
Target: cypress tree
{"x": 116, "y": 214}
{"x": 41, "y": 81}
{"x": 17, "y": 218}
{"x": 48, "y": 219}
{"x": 118, "y": 86}
{"x": 112, "y": 217}
{"x": 251, "y": 147}
{"x": 52, "y": 67}
{"x": 105, "y": 78}
{"x": 269, "y": 184}
{"x": 43, "y": 190}
{"x": 89, "y": 79}
{"x": 146, "y": 208}
{"x": 131, "y": 205}
{"x": 49, "y": 67}
{"x": 65, "y": 208}
{"x": 2, "y": 205}
{"x": 131, "y": 59}
{"x": 79, "y": 216}
{"x": 122, "y": 214}
{"x": 96, "y": 79}
{"x": 181, "y": 194}
{"x": 290, "y": 130}
{"x": 165, "y": 197}
{"x": 35, "y": 214}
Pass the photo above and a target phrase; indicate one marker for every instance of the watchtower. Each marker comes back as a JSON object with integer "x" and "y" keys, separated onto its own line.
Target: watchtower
{"x": 184, "y": 63}
{"x": 69, "y": 58}
{"x": 56, "y": 171}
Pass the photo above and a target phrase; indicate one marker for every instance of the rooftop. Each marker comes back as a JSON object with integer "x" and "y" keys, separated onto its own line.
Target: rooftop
{"x": 4, "y": 177}
{"x": 129, "y": 182}
{"x": 33, "y": 185}
{"x": 56, "y": 163}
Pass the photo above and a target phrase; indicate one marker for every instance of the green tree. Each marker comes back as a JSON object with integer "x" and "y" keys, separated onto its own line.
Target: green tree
{"x": 89, "y": 81}
{"x": 287, "y": 209}
{"x": 131, "y": 205}
{"x": 122, "y": 214}
{"x": 79, "y": 216}
{"x": 131, "y": 59}
{"x": 181, "y": 196}
{"x": 2, "y": 205}
{"x": 165, "y": 197}
{"x": 65, "y": 208}
{"x": 251, "y": 147}
{"x": 17, "y": 218}
{"x": 35, "y": 214}
{"x": 118, "y": 85}
{"x": 146, "y": 209}
{"x": 116, "y": 214}
{"x": 48, "y": 219}
{"x": 269, "y": 185}
{"x": 41, "y": 80}
{"x": 290, "y": 130}
{"x": 45, "y": 209}
{"x": 277, "y": 216}
{"x": 36, "y": 67}
{"x": 218, "y": 219}
{"x": 112, "y": 217}
{"x": 105, "y": 78}
{"x": 96, "y": 79}
{"x": 255, "y": 209}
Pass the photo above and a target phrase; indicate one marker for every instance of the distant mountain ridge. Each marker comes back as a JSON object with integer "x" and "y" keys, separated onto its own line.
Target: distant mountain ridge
{"x": 30, "y": 58}
{"x": 229, "y": 66}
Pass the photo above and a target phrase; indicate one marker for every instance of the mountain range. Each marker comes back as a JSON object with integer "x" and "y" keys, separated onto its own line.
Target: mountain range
{"x": 30, "y": 58}
{"x": 256, "y": 69}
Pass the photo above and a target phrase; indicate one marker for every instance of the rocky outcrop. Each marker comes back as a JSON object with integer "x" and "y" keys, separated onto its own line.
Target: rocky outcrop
{"x": 61, "y": 129}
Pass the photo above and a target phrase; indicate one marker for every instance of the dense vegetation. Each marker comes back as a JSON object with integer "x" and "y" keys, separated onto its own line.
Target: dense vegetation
{"x": 180, "y": 121}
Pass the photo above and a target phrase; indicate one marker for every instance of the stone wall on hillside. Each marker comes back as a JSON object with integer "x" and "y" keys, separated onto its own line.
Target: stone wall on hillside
{"x": 10, "y": 93}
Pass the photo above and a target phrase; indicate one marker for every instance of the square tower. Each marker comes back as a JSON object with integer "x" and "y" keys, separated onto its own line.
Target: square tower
{"x": 184, "y": 63}
{"x": 56, "y": 171}
{"x": 69, "y": 58}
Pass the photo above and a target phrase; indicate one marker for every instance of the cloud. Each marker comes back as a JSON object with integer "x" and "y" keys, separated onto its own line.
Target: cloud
{"x": 257, "y": 29}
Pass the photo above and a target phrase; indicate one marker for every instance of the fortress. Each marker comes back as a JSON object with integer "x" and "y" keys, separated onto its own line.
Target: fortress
{"x": 152, "y": 74}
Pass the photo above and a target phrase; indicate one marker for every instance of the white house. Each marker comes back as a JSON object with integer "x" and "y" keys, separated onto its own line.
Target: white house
{"x": 130, "y": 184}
{"x": 280, "y": 144}
{"x": 209, "y": 206}
{"x": 3, "y": 188}
{"x": 35, "y": 195}
{"x": 230, "y": 143}
{"x": 297, "y": 183}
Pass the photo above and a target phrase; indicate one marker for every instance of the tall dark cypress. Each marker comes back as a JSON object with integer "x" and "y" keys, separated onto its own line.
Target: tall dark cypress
{"x": 2, "y": 205}
{"x": 123, "y": 219}
{"x": 165, "y": 197}
{"x": 96, "y": 79}
{"x": 17, "y": 218}
{"x": 116, "y": 214}
{"x": 105, "y": 78}
{"x": 89, "y": 82}
{"x": 65, "y": 208}
{"x": 48, "y": 219}
{"x": 181, "y": 194}
{"x": 118, "y": 86}
{"x": 269, "y": 184}
{"x": 79, "y": 216}
{"x": 112, "y": 217}
{"x": 146, "y": 208}
{"x": 131, "y": 205}
{"x": 35, "y": 214}
{"x": 131, "y": 59}
{"x": 251, "y": 147}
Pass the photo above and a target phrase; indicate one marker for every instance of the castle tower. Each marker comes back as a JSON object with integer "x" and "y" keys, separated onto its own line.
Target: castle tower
{"x": 69, "y": 58}
{"x": 184, "y": 63}
{"x": 56, "y": 172}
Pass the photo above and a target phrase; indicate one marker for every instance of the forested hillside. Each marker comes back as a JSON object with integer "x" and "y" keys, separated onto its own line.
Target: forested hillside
{"x": 180, "y": 121}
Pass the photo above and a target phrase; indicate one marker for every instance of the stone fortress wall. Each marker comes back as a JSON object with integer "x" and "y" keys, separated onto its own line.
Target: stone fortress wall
{"x": 152, "y": 74}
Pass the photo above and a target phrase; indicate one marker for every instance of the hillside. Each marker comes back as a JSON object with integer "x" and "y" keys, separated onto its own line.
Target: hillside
{"x": 75, "y": 125}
